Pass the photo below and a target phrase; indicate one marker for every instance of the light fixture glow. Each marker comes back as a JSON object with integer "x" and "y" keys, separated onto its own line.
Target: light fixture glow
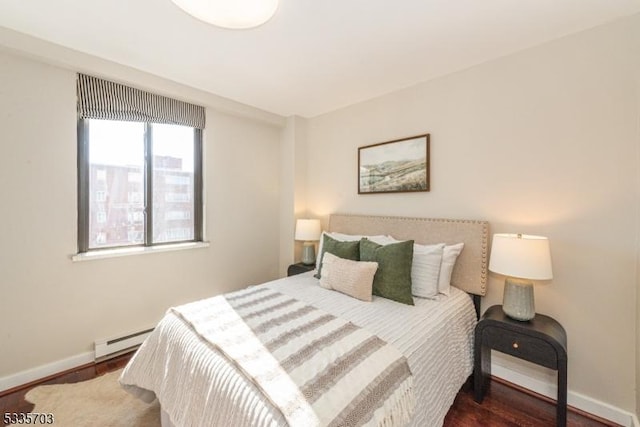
{"x": 233, "y": 14}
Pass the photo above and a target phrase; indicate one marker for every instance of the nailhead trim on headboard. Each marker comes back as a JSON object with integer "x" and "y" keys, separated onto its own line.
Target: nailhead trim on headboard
{"x": 470, "y": 272}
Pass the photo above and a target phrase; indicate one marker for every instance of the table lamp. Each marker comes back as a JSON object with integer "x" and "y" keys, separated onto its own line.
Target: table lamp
{"x": 522, "y": 258}
{"x": 308, "y": 230}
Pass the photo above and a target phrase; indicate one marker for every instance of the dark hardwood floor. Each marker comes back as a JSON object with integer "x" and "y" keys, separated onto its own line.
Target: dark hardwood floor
{"x": 508, "y": 405}
{"x": 505, "y": 405}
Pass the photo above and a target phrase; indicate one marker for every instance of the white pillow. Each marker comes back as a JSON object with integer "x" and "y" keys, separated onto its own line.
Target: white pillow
{"x": 353, "y": 278}
{"x": 449, "y": 257}
{"x": 381, "y": 240}
{"x": 425, "y": 270}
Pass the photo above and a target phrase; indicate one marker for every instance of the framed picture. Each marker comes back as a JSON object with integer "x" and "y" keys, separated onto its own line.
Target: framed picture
{"x": 395, "y": 166}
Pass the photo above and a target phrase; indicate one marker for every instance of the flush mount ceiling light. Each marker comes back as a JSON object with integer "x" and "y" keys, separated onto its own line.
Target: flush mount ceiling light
{"x": 234, "y": 14}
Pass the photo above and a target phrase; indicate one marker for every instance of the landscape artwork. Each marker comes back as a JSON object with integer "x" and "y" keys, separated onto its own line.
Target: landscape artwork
{"x": 395, "y": 166}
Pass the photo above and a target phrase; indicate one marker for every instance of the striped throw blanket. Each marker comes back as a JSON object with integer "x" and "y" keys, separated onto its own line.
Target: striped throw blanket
{"x": 317, "y": 369}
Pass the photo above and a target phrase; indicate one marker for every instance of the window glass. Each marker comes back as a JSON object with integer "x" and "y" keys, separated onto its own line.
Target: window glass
{"x": 116, "y": 153}
{"x": 173, "y": 183}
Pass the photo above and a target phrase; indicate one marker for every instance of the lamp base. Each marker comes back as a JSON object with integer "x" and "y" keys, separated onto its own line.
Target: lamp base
{"x": 517, "y": 301}
{"x": 308, "y": 253}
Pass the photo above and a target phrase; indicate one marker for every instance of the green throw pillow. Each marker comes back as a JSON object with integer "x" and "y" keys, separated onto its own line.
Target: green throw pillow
{"x": 393, "y": 278}
{"x": 346, "y": 250}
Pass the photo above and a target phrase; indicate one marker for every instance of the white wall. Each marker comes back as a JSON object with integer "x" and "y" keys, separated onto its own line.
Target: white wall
{"x": 52, "y": 308}
{"x": 293, "y": 185}
{"x": 543, "y": 142}
{"x": 638, "y": 271}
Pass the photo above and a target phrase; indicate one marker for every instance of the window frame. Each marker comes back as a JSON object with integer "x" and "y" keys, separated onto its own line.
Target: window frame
{"x": 84, "y": 210}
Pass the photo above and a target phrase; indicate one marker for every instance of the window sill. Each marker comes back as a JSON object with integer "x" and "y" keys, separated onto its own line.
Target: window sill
{"x": 120, "y": 252}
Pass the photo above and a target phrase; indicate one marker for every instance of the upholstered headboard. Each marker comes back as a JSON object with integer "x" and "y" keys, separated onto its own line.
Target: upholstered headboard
{"x": 470, "y": 272}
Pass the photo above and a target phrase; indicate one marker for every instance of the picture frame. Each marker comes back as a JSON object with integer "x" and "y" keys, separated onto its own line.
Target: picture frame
{"x": 398, "y": 166}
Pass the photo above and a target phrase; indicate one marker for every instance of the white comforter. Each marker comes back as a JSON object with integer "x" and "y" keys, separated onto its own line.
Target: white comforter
{"x": 199, "y": 387}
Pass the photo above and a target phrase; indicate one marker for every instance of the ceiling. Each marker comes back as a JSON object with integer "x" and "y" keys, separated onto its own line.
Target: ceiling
{"x": 313, "y": 56}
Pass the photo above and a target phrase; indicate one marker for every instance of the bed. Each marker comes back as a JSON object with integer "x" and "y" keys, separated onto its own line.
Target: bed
{"x": 198, "y": 385}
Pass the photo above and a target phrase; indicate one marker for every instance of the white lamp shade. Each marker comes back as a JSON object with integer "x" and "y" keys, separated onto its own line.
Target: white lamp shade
{"x": 308, "y": 229}
{"x": 234, "y": 14}
{"x": 522, "y": 256}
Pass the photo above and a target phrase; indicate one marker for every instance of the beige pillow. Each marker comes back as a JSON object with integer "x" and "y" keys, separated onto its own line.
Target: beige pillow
{"x": 353, "y": 278}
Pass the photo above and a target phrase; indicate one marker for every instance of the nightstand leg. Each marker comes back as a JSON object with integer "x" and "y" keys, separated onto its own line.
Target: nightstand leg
{"x": 481, "y": 371}
{"x": 561, "y": 412}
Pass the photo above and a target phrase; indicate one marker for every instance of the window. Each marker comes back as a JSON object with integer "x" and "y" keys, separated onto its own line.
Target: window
{"x": 177, "y": 179}
{"x": 101, "y": 217}
{"x": 101, "y": 196}
{"x": 177, "y": 215}
{"x": 146, "y": 193}
{"x": 135, "y": 216}
{"x": 154, "y": 191}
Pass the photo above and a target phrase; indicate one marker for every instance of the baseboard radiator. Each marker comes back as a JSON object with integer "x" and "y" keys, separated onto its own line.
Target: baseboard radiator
{"x": 112, "y": 347}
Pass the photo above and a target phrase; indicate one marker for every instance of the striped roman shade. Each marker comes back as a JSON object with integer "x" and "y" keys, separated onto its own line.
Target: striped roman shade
{"x": 103, "y": 99}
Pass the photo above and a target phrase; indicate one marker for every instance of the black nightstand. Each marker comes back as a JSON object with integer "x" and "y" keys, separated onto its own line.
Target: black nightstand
{"x": 299, "y": 268}
{"x": 542, "y": 340}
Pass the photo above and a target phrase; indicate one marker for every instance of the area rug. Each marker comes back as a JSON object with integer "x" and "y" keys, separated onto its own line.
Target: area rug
{"x": 97, "y": 402}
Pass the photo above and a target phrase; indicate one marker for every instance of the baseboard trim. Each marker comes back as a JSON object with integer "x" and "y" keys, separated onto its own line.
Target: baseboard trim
{"x": 577, "y": 400}
{"x": 38, "y": 373}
